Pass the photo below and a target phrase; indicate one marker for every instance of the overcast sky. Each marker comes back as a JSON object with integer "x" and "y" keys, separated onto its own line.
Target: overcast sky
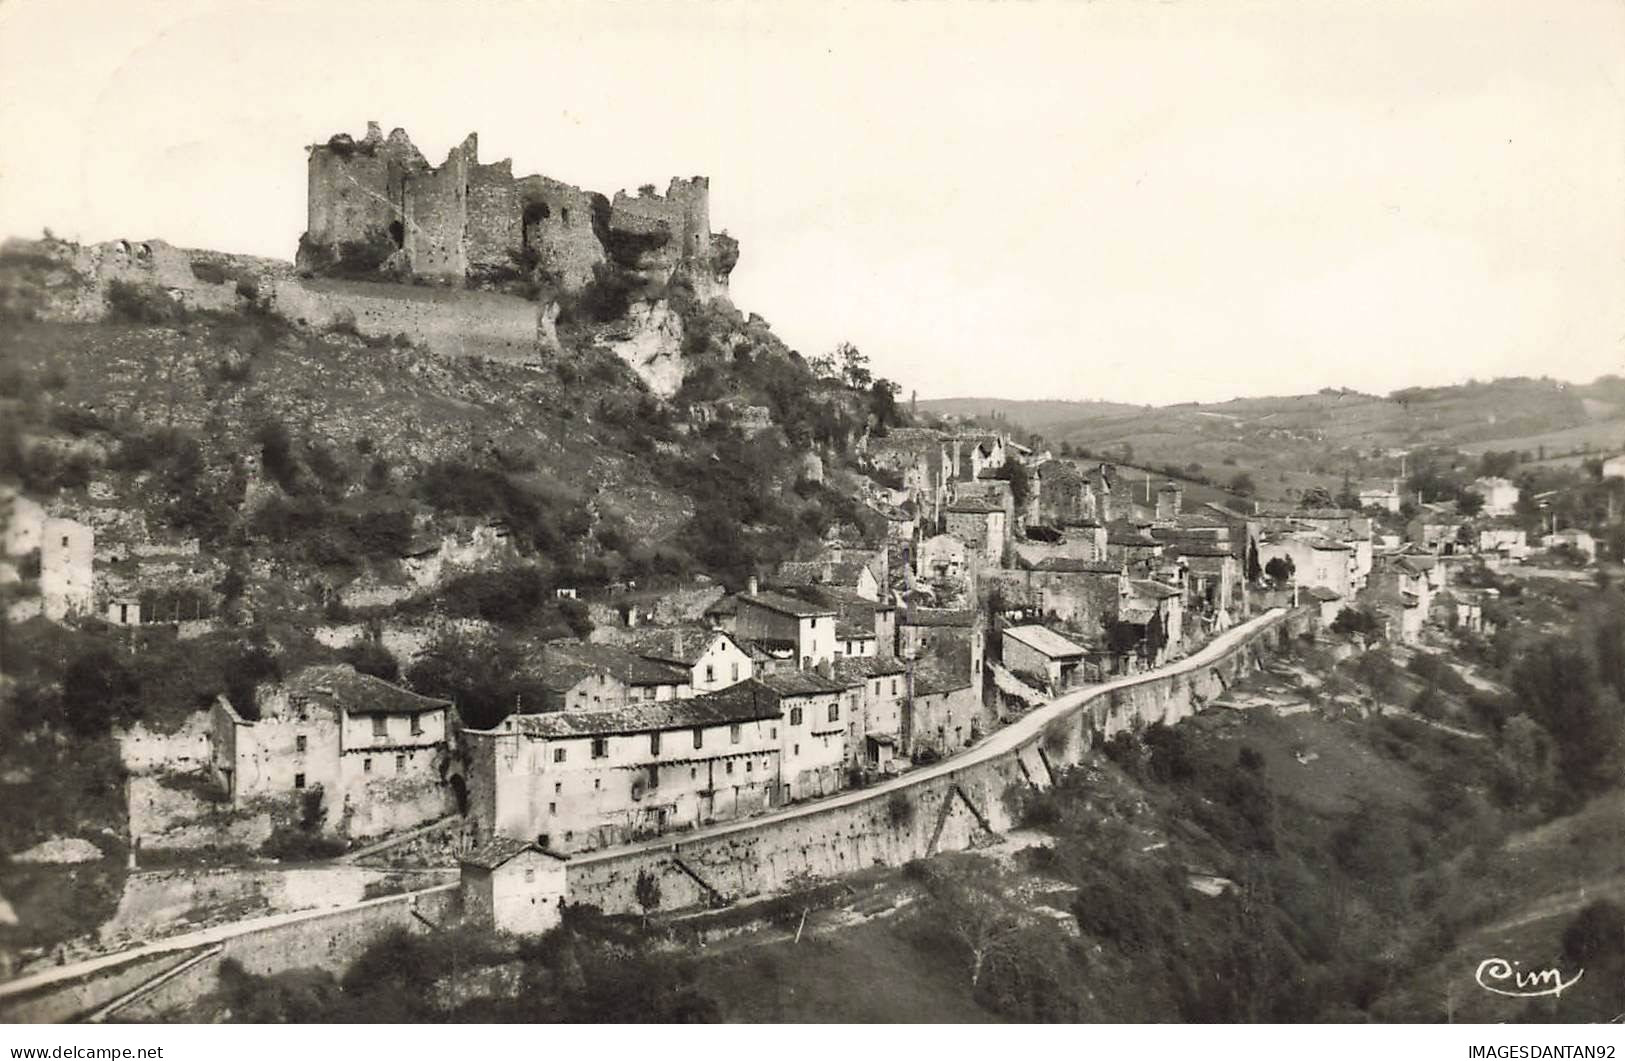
{"x": 1136, "y": 201}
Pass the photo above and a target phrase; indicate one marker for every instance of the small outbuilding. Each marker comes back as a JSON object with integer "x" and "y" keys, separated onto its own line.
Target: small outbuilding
{"x": 514, "y": 886}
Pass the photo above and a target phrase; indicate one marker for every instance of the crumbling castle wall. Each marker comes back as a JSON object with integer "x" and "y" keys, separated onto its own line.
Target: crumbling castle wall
{"x": 494, "y": 235}
{"x": 558, "y": 224}
{"x": 449, "y": 321}
{"x": 437, "y": 215}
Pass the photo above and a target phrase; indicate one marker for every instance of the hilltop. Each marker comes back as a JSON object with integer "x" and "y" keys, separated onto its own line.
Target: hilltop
{"x": 1291, "y": 443}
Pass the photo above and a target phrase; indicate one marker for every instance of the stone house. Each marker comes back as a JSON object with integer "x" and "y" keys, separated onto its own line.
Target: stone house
{"x": 1059, "y": 496}
{"x": 1170, "y": 500}
{"x": 378, "y": 754}
{"x": 713, "y": 658}
{"x": 812, "y": 748}
{"x": 874, "y": 691}
{"x": 1127, "y": 543}
{"x": 67, "y": 576}
{"x": 1401, "y": 591}
{"x": 1155, "y": 613}
{"x": 937, "y": 631}
{"x": 1385, "y": 498}
{"x": 1503, "y": 541}
{"x": 941, "y": 709}
{"x": 513, "y": 886}
{"x": 580, "y": 780}
{"x": 942, "y": 557}
{"x": 577, "y": 676}
{"x": 1040, "y": 652}
{"x": 981, "y": 526}
{"x": 768, "y": 616}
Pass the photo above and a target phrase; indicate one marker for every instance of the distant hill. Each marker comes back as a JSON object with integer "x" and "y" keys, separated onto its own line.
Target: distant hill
{"x": 1292, "y": 442}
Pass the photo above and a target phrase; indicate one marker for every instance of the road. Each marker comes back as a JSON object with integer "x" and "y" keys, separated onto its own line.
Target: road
{"x": 1000, "y": 743}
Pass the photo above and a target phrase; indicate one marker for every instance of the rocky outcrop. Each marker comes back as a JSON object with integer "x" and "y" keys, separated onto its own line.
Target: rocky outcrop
{"x": 650, "y": 341}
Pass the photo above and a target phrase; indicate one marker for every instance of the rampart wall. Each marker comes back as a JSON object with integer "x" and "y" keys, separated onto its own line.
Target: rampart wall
{"x": 449, "y": 321}
{"x": 942, "y": 808}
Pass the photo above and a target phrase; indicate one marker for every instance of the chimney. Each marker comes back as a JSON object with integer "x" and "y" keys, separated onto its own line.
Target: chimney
{"x": 751, "y": 586}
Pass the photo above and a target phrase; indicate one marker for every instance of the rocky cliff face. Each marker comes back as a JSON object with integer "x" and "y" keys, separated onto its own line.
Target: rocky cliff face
{"x": 650, "y": 341}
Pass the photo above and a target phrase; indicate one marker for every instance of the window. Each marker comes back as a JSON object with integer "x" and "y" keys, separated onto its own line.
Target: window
{"x": 648, "y": 692}
{"x": 597, "y": 783}
{"x": 530, "y": 876}
{"x": 750, "y": 764}
{"x": 380, "y": 726}
{"x": 400, "y": 763}
{"x": 654, "y": 744}
{"x": 558, "y": 786}
{"x": 64, "y": 542}
{"x": 710, "y": 673}
{"x": 894, "y": 686}
{"x": 795, "y": 716}
{"x": 552, "y": 808}
{"x": 795, "y": 749}
{"x": 699, "y": 738}
{"x": 298, "y": 780}
{"x": 733, "y": 672}
{"x": 299, "y": 743}
{"x": 600, "y": 747}
{"x": 558, "y": 755}
{"x": 834, "y": 712}
{"x": 733, "y": 733}
{"x": 730, "y": 766}
{"x": 366, "y": 766}
{"x": 417, "y": 726}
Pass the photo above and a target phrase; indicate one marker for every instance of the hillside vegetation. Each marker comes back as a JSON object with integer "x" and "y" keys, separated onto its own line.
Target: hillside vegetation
{"x": 1290, "y": 444}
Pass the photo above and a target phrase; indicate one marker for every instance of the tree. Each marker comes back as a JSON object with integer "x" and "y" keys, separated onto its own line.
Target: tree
{"x": 854, "y": 365}
{"x": 647, "y": 892}
{"x": 1243, "y": 484}
{"x": 1469, "y": 503}
{"x": 97, "y": 691}
{"x": 1280, "y": 568}
{"x": 973, "y": 905}
{"x": 1316, "y": 497}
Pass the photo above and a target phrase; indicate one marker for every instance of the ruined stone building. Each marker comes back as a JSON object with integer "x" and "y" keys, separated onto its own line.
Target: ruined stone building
{"x": 378, "y": 202}
{"x": 377, "y": 754}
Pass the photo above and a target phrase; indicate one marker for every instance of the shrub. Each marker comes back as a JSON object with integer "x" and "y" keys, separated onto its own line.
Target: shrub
{"x": 370, "y": 657}
{"x": 141, "y": 304}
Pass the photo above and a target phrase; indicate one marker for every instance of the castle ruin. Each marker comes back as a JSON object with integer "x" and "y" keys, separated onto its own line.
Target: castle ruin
{"x": 377, "y": 205}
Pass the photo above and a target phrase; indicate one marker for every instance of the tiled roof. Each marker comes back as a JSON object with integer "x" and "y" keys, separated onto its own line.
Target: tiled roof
{"x": 1043, "y": 639}
{"x": 342, "y": 686}
{"x": 746, "y": 701}
{"x": 1144, "y": 587}
{"x": 501, "y": 849}
{"x": 974, "y": 506}
{"x": 1322, "y": 593}
{"x": 800, "y": 683}
{"x": 859, "y": 668}
{"x": 679, "y": 645}
{"x": 565, "y": 663}
{"x": 784, "y": 604}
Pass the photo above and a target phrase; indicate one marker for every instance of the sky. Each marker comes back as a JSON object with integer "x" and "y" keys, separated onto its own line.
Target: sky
{"x": 1134, "y": 201}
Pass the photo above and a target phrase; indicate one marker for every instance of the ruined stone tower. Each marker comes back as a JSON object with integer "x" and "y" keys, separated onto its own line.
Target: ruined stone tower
{"x": 377, "y": 204}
